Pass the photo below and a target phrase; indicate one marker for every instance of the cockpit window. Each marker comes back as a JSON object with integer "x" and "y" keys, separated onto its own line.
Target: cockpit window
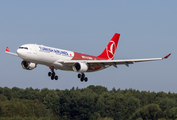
{"x": 23, "y": 48}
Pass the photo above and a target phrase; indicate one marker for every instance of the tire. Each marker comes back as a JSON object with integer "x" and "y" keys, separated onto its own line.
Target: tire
{"x": 86, "y": 79}
{"x": 49, "y": 74}
{"x": 52, "y": 77}
{"x": 56, "y": 77}
{"x": 79, "y": 75}
{"x": 82, "y": 79}
{"x": 83, "y": 75}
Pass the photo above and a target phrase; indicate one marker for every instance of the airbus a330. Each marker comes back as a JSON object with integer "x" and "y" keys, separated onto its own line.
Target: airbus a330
{"x": 54, "y": 58}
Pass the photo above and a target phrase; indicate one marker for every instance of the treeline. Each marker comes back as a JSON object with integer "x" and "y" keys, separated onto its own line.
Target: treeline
{"x": 91, "y": 103}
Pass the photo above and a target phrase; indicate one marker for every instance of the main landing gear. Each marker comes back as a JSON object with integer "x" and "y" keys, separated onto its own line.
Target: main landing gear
{"x": 52, "y": 74}
{"x": 82, "y": 77}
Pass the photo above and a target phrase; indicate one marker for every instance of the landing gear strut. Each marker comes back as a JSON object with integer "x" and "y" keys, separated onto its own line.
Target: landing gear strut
{"x": 52, "y": 74}
{"x": 82, "y": 77}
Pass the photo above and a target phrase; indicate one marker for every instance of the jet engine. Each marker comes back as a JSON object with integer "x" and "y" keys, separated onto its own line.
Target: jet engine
{"x": 80, "y": 67}
{"x": 28, "y": 65}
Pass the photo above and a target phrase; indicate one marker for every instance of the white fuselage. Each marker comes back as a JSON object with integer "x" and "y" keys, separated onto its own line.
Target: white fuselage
{"x": 44, "y": 55}
{"x": 50, "y": 56}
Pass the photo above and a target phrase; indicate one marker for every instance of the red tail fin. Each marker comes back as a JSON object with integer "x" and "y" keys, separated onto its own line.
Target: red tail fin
{"x": 110, "y": 49}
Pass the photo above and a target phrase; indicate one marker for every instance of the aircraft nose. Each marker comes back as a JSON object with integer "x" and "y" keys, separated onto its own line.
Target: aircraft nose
{"x": 20, "y": 53}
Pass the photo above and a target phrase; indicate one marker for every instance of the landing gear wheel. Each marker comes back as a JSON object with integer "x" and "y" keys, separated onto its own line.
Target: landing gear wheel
{"x": 82, "y": 79}
{"x": 52, "y": 77}
{"x": 56, "y": 77}
{"x": 86, "y": 79}
{"x": 49, "y": 74}
{"x": 52, "y": 74}
{"x": 79, "y": 75}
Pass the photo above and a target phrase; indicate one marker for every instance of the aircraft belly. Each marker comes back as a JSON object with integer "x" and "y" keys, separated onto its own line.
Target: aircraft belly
{"x": 63, "y": 67}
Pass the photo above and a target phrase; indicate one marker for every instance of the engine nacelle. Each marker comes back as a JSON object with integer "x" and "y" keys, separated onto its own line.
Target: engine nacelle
{"x": 80, "y": 67}
{"x": 28, "y": 65}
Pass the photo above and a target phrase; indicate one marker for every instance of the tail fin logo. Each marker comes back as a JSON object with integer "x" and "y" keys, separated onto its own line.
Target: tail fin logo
{"x": 111, "y": 48}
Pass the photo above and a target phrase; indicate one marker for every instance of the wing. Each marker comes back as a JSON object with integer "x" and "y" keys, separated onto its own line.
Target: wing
{"x": 8, "y": 52}
{"x": 104, "y": 63}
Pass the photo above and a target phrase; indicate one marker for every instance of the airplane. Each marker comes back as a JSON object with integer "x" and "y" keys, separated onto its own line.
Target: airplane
{"x": 54, "y": 58}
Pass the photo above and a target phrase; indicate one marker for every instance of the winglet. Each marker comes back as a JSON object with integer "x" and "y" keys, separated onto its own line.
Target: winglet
{"x": 7, "y": 49}
{"x": 166, "y": 56}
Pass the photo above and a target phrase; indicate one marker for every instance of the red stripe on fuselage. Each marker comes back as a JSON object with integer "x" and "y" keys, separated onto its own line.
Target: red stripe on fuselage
{"x": 80, "y": 56}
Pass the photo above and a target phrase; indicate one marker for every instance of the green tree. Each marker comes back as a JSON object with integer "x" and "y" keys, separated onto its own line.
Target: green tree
{"x": 98, "y": 89}
{"x": 52, "y": 102}
{"x": 7, "y": 92}
{"x": 1, "y": 90}
{"x": 132, "y": 105}
{"x": 16, "y": 92}
{"x": 166, "y": 104}
{"x": 95, "y": 116}
{"x": 152, "y": 112}
{"x": 173, "y": 113}
{"x": 2, "y": 97}
{"x": 43, "y": 93}
{"x": 149, "y": 112}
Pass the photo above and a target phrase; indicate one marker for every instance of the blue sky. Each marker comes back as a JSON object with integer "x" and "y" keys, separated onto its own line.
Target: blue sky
{"x": 148, "y": 29}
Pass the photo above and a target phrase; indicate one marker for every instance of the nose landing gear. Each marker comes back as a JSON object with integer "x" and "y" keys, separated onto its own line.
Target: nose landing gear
{"x": 52, "y": 74}
{"x": 82, "y": 77}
